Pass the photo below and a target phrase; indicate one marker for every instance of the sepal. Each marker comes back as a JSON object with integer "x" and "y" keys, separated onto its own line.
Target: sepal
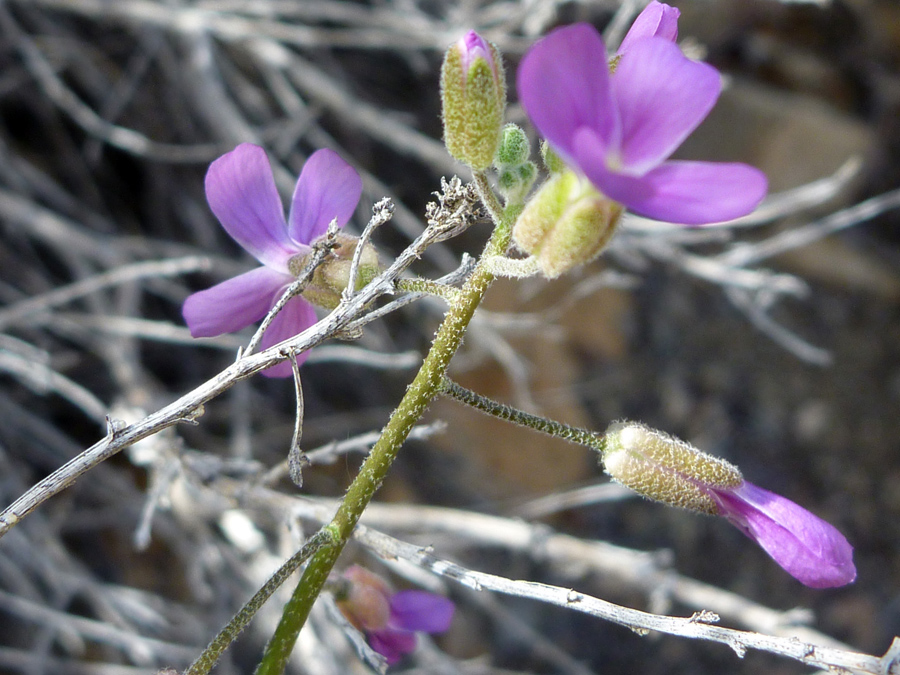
{"x": 566, "y": 224}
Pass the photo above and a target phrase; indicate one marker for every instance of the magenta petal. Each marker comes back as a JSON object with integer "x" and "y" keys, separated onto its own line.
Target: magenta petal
{"x": 472, "y": 46}
{"x": 563, "y": 83}
{"x": 241, "y": 192}
{"x": 657, "y": 20}
{"x": 662, "y": 97}
{"x": 294, "y": 318}
{"x": 697, "y": 193}
{"x": 420, "y": 610}
{"x": 392, "y": 644}
{"x": 692, "y": 193}
{"x": 808, "y": 548}
{"x": 328, "y": 188}
{"x": 233, "y": 304}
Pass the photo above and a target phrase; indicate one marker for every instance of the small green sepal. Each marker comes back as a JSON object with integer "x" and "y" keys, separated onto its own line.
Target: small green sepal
{"x": 566, "y": 224}
{"x": 552, "y": 161}
{"x": 666, "y": 469}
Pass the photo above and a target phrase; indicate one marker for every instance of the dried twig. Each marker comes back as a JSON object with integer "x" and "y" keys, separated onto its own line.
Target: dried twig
{"x": 190, "y": 406}
{"x": 699, "y": 626}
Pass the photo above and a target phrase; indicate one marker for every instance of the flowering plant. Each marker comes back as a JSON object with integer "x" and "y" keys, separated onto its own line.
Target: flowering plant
{"x": 611, "y": 126}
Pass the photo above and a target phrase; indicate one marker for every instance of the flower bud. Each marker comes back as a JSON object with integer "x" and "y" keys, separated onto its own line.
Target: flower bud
{"x": 515, "y": 182}
{"x": 364, "y": 599}
{"x": 567, "y": 223}
{"x": 514, "y": 147}
{"x": 473, "y": 96}
{"x": 666, "y": 469}
{"x": 673, "y": 472}
{"x": 332, "y": 276}
{"x": 658, "y": 20}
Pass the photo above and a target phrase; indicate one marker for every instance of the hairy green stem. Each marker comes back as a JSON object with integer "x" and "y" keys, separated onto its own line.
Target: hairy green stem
{"x": 429, "y": 286}
{"x": 424, "y": 388}
{"x": 578, "y": 435}
{"x": 229, "y": 633}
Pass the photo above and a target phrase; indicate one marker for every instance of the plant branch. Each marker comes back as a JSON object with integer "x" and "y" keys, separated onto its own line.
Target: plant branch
{"x": 205, "y": 662}
{"x": 578, "y": 435}
{"x": 701, "y": 625}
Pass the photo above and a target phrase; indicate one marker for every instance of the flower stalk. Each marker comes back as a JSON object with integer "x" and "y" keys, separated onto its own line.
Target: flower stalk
{"x": 507, "y": 413}
{"x": 205, "y": 662}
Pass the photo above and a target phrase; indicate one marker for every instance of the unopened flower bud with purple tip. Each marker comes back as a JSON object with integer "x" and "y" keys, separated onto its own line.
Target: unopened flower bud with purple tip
{"x": 389, "y": 620}
{"x": 473, "y": 96}
{"x": 673, "y": 472}
{"x": 566, "y": 223}
{"x": 657, "y": 20}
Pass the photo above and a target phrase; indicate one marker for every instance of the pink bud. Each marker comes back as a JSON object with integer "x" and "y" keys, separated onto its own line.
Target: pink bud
{"x": 657, "y": 20}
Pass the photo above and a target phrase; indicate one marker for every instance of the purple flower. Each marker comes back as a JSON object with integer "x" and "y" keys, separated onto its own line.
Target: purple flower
{"x": 410, "y": 611}
{"x": 619, "y": 129}
{"x": 390, "y": 619}
{"x": 808, "y": 548}
{"x": 676, "y": 473}
{"x": 241, "y": 192}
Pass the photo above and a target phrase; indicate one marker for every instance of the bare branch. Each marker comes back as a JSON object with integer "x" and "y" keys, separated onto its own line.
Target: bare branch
{"x": 190, "y": 406}
{"x": 700, "y": 626}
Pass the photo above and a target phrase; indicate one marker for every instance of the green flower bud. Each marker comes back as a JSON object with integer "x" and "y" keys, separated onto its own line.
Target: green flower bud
{"x": 666, "y": 469}
{"x": 567, "y": 223}
{"x": 515, "y": 182}
{"x": 514, "y": 147}
{"x": 331, "y": 277}
{"x": 473, "y": 96}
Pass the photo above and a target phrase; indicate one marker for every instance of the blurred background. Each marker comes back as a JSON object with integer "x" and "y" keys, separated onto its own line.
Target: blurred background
{"x": 774, "y": 343}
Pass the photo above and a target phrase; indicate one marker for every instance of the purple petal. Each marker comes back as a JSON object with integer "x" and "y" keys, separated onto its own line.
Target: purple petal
{"x": 698, "y": 193}
{"x": 420, "y": 610}
{"x": 294, "y": 318}
{"x": 471, "y": 46}
{"x": 657, "y": 20}
{"x": 328, "y": 188}
{"x": 662, "y": 96}
{"x": 808, "y": 548}
{"x": 241, "y": 192}
{"x": 233, "y": 304}
{"x": 563, "y": 83}
{"x": 392, "y": 644}
{"x": 692, "y": 193}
